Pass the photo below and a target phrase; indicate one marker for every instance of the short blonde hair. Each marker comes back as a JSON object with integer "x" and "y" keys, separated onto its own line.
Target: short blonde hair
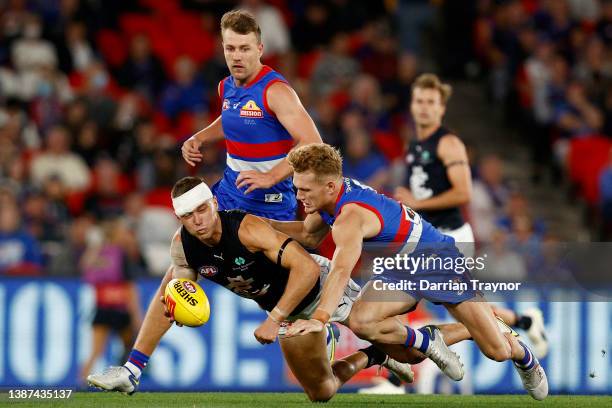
{"x": 241, "y": 22}
{"x": 320, "y": 158}
{"x": 432, "y": 81}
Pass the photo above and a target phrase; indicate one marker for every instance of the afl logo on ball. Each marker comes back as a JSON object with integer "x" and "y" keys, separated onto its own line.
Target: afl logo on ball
{"x": 208, "y": 271}
{"x": 189, "y": 287}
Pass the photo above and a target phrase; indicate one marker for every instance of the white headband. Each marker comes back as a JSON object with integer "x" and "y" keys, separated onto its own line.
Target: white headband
{"x": 192, "y": 199}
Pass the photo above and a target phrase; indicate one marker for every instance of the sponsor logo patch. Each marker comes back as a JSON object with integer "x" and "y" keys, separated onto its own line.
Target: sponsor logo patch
{"x": 226, "y": 104}
{"x": 251, "y": 110}
{"x": 274, "y": 198}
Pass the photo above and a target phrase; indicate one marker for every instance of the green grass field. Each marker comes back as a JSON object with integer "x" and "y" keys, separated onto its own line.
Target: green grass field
{"x": 256, "y": 400}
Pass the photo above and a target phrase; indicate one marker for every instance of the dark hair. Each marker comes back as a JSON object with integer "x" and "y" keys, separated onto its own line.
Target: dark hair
{"x": 241, "y": 22}
{"x": 184, "y": 185}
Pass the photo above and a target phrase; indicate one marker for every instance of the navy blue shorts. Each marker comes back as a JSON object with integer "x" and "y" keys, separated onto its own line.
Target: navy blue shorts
{"x": 227, "y": 202}
{"x": 439, "y": 277}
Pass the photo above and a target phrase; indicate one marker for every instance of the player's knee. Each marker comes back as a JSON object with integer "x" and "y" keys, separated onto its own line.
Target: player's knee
{"x": 323, "y": 392}
{"x": 362, "y": 327}
{"x": 498, "y": 352}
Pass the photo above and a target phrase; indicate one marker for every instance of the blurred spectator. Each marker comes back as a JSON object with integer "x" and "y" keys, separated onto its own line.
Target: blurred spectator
{"x": 14, "y": 177}
{"x": 103, "y": 265}
{"x": 31, "y": 51}
{"x": 361, "y": 161}
{"x": 312, "y": 29}
{"x": 575, "y": 116}
{"x": 51, "y": 93}
{"x": 413, "y": 17}
{"x": 587, "y": 10}
{"x": 604, "y": 26}
{"x": 503, "y": 264}
{"x": 554, "y": 18}
{"x": 490, "y": 192}
{"x": 20, "y": 253}
{"x": 152, "y": 225}
{"x": 142, "y": 71}
{"x": 75, "y": 53}
{"x": 17, "y": 121}
{"x": 57, "y": 160}
{"x": 594, "y": 70}
{"x": 325, "y": 116}
{"x": 106, "y": 198}
{"x": 96, "y": 93}
{"x": 335, "y": 68}
{"x": 378, "y": 52}
{"x": 397, "y": 92}
{"x": 274, "y": 32}
{"x": 87, "y": 143}
{"x": 518, "y": 211}
{"x": 39, "y": 221}
{"x": 186, "y": 93}
{"x": 136, "y": 153}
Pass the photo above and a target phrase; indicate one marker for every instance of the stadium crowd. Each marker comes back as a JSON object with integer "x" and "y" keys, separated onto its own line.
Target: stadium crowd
{"x": 96, "y": 99}
{"x": 549, "y": 63}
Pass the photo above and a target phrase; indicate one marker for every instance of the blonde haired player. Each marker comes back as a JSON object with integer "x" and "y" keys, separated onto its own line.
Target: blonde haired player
{"x": 439, "y": 182}
{"x": 359, "y": 214}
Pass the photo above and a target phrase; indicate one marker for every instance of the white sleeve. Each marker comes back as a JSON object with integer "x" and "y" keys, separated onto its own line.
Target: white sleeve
{"x": 179, "y": 260}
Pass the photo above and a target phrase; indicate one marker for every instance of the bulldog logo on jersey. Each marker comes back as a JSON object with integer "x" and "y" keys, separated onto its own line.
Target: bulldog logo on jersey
{"x": 251, "y": 110}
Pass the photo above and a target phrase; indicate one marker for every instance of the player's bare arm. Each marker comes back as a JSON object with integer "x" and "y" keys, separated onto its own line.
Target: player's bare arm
{"x": 191, "y": 147}
{"x": 309, "y": 233}
{"x": 452, "y": 153}
{"x": 286, "y": 105}
{"x": 256, "y": 235}
{"x": 350, "y": 229}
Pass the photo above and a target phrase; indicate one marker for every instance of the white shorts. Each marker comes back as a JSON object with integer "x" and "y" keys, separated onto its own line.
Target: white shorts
{"x": 464, "y": 239}
{"x": 351, "y": 291}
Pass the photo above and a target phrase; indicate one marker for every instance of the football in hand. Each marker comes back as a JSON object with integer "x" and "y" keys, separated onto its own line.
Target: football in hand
{"x": 186, "y": 302}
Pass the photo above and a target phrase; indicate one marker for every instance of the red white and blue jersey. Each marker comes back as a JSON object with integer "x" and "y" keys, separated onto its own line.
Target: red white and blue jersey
{"x": 399, "y": 223}
{"x": 255, "y": 140}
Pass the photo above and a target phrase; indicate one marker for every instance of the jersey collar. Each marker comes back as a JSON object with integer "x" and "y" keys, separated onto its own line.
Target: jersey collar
{"x": 262, "y": 72}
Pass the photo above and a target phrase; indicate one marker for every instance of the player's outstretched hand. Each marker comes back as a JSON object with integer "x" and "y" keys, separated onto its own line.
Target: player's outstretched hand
{"x": 301, "y": 327}
{"x": 191, "y": 151}
{"x": 267, "y": 331}
{"x": 167, "y": 314}
{"x": 253, "y": 179}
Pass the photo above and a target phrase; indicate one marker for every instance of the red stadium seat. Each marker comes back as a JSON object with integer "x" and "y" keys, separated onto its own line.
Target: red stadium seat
{"x": 135, "y": 23}
{"x": 112, "y": 47}
{"x": 389, "y": 144}
{"x": 307, "y": 64}
{"x": 587, "y": 157}
{"x": 161, "y": 6}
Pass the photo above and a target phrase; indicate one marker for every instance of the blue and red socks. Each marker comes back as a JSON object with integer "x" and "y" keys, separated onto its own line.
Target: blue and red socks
{"x": 418, "y": 339}
{"x": 136, "y": 363}
{"x": 527, "y": 362}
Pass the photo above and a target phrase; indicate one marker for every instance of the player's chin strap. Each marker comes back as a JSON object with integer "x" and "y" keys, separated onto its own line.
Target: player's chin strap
{"x": 281, "y": 250}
